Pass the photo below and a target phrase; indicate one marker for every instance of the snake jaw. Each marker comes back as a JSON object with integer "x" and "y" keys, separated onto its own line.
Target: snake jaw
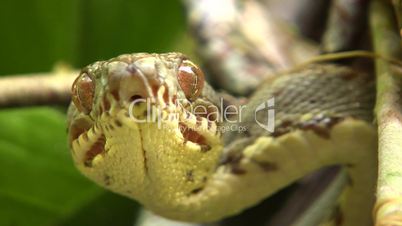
{"x": 144, "y": 159}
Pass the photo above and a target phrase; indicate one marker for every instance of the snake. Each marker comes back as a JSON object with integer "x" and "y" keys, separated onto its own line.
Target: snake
{"x": 149, "y": 126}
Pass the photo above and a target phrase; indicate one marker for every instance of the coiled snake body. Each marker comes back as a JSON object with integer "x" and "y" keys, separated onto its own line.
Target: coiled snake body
{"x": 149, "y": 127}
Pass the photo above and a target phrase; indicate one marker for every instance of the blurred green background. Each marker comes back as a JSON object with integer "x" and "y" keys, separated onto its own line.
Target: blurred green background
{"x": 38, "y": 182}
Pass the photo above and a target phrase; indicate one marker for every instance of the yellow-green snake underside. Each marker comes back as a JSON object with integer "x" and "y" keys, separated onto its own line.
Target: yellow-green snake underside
{"x": 149, "y": 127}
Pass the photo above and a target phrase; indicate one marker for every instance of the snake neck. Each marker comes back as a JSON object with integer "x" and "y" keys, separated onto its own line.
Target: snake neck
{"x": 314, "y": 127}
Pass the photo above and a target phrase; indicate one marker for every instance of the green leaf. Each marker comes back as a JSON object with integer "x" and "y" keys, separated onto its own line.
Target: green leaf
{"x": 39, "y": 184}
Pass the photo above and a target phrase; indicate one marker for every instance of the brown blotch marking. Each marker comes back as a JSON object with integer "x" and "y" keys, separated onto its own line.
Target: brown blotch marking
{"x": 321, "y": 125}
{"x": 267, "y": 166}
{"x": 166, "y": 94}
{"x": 233, "y": 161}
{"x": 331, "y": 121}
{"x": 316, "y": 128}
{"x": 118, "y": 123}
{"x": 284, "y": 127}
{"x": 199, "y": 120}
{"x": 234, "y": 158}
{"x": 286, "y": 123}
{"x": 196, "y": 190}
{"x": 205, "y": 147}
{"x": 106, "y": 179}
{"x": 154, "y": 89}
{"x": 97, "y": 148}
{"x": 115, "y": 94}
{"x": 190, "y": 176}
{"x": 174, "y": 98}
{"x": 100, "y": 109}
{"x": 191, "y": 135}
{"x": 111, "y": 127}
{"x": 237, "y": 170}
{"x": 106, "y": 103}
{"x": 78, "y": 127}
{"x": 209, "y": 124}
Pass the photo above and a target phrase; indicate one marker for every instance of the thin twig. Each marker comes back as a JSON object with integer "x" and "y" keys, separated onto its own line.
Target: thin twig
{"x": 36, "y": 89}
{"x": 349, "y": 54}
{"x": 388, "y": 209}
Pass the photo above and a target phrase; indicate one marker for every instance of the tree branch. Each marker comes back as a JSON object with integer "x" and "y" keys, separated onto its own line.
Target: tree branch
{"x": 36, "y": 89}
{"x": 388, "y": 209}
{"x": 345, "y": 25}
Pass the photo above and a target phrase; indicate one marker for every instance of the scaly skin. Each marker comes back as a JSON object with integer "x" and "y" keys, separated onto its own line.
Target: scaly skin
{"x": 189, "y": 167}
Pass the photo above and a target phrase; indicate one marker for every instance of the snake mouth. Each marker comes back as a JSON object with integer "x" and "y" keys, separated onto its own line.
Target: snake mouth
{"x": 194, "y": 126}
{"x": 163, "y": 112}
{"x": 87, "y": 141}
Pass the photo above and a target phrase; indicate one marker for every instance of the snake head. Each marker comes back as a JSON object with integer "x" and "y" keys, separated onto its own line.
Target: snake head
{"x": 137, "y": 126}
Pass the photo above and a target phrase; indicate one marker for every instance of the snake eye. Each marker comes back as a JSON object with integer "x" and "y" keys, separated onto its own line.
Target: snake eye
{"x": 83, "y": 92}
{"x": 191, "y": 79}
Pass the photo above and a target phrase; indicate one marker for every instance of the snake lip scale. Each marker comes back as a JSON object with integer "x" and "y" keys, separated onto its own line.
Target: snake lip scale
{"x": 182, "y": 166}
